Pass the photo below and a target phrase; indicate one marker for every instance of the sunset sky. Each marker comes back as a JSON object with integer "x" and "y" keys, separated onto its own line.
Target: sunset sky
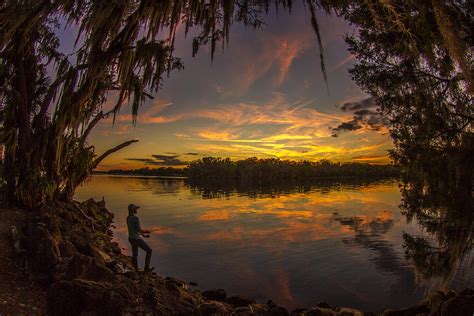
{"x": 263, "y": 96}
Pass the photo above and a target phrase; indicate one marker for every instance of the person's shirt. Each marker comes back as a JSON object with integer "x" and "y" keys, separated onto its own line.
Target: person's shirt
{"x": 134, "y": 227}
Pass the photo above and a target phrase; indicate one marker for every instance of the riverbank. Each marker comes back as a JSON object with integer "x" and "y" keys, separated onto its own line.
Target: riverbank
{"x": 75, "y": 267}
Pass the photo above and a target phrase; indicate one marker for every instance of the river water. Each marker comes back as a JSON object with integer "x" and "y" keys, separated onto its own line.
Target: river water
{"x": 341, "y": 243}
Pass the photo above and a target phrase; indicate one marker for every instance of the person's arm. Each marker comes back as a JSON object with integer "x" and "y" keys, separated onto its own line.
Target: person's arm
{"x": 142, "y": 231}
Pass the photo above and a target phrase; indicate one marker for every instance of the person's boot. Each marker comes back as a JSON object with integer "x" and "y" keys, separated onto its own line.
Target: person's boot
{"x": 148, "y": 268}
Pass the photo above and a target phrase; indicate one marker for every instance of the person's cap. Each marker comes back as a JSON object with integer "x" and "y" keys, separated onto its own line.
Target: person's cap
{"x": 133, "y": 207}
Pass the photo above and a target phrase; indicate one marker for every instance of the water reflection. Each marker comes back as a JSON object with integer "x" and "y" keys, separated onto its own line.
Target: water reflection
{"x": 443, "y": 255}
{"x": 209, "y": 190}
{"x": 337, "y": 241}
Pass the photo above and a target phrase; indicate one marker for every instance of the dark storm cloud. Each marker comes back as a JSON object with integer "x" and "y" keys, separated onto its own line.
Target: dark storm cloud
{"x": 348, "y": 126}
{"x": 365, "y": 115}
{"x": 364, "y": 112}
{"x": 169, "y": 160}
{"x": 161, "y": 160}
{"x": 359, "y": 105}
{"x": 146, "y": 161}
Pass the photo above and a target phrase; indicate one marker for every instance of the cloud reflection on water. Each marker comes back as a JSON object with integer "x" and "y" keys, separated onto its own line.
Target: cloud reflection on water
{"x": 339, "y": 242}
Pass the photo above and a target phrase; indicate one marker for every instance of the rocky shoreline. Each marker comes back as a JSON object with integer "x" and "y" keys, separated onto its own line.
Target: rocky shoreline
{"x": 70, "y": 252}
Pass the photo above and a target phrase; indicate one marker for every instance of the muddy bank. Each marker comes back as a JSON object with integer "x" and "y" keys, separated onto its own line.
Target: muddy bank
{"x": 70, "y": 252}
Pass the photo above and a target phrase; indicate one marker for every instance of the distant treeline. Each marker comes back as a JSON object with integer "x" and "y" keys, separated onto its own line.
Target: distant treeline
{"x": 264, "y": 171}
{"x": 268, "y": 171}
{"x": 155, "y": 172}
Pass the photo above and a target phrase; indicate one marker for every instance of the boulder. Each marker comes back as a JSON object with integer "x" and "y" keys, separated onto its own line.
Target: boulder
{"x": 467, "y": 292}
{"x": 214, "y": 308}
{"x": 298, "y": 311}
{"x": 260, "y": 309}
{"x": 278, "y": 311}
{"x": 271, "y": 304}
{"x": 240, "y": 300}
{"x": 67, "y": 249}
{"x": 88, "y": 268}
{"x": 79, "y": 297}
{"x": 323, "y": 305}
{"x": 414, "y": 310}
{"x": 179, "y": 283}
{"x": 43, "y": 251}
{"x": 458, "y": 306}
{"x": 215, "y": 295}
{"x": 435, "y": 301}
{"x": 79, "y": 239}
{"x": 244, "y": 311}
{"x": 317, "y": 311}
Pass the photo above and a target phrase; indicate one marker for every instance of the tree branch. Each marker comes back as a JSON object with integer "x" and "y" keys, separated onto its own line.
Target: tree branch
{"x": 98, "y": 160}
{"x": 90, "y": 127}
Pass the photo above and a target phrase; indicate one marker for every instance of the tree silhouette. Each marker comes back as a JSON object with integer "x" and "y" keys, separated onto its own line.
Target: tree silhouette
{"x": 420, "y": 74}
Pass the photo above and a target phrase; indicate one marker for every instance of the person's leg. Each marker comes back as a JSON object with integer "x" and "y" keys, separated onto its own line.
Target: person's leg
{"x": 143, "y": 245}
{"x": 134, "y": 244}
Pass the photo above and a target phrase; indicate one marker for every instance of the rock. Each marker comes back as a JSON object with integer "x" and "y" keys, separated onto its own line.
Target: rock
{"x": 67, "y": 249}
{"x": 240, "y": 300}
{"x": 298, "y": 311}
{"x": 317, "y": 311}
{"x": 467, "y": 292}
{"x": 101, "y": 204}
{"x": 116, "y": 248}
{"x": 179, "y": 283}
{"x": 278, "y": 311}
{"x": 215, "y": 295}
{"x": 271, "y": 304}
{"x": 414, "y": 310}
{"x": 43, "y": 251}
{"x": 214, "y": 308}
{"x": 88, "y": 268}
{"x": 345, "y": 311}
{"x": 244, "y": 311}
{"x": 458, "y": 306}
{"x": 193, "y": 283}
{"x": 80, "y": 241}
{"x": 87, "y": 297}
{"x": 101, "y": 256}
{"x": 435, "y": 301}
{"x": 61, "y": 205}
{"x": 120, "y": 268}
{"x": 173, "y": 289}
{"x": 323, "y": 305}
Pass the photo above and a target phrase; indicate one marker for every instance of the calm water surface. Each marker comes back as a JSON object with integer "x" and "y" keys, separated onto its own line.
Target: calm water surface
{"x": 339, "y": 243}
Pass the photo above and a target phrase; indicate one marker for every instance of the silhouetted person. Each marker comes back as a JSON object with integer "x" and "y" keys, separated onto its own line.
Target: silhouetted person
{"x": 134, "y": 237}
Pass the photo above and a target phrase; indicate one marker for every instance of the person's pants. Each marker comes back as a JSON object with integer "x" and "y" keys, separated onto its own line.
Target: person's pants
{"x": 140, "y": 243}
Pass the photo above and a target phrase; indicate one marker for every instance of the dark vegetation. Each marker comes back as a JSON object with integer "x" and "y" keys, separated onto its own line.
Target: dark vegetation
{"x": 275, "y": 171}
{"x": 149, "y": 172}
{"x": 264, "y": 171}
